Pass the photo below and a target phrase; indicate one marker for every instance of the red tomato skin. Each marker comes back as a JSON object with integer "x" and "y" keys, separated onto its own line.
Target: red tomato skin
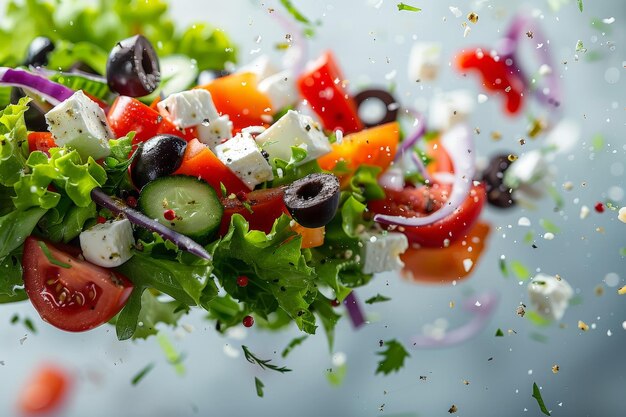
{"x": 40, "y": 141}
{"x": 267, "y": 206}
{"x": 80, "y": 310}
{"x": 411, "y": 201}
{"x": 328, "y": 98}
{"x": 45, "y": 391}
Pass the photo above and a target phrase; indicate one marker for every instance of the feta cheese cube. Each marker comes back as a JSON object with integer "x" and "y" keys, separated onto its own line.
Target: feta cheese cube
{"x": 382, "y": 251}
{"x": 280, "y": 88}
{"x": 80, "y": 123}
{"x": 108, "y": 244}
{"x": 215, "y": 132}
{"x": 526, "y": 170}
{"x": 294, "y": 129}
{"x": 424, "y": 61}
{"x": 448, "y": 109}
{"x": 262, "y": 67}
{"x": 549, "y": 295}
{"x": 188, "y": 108}
{"x": 243, "y": 157}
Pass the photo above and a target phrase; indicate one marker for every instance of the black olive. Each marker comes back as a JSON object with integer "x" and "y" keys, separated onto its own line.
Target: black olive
{"x": 38, "y": 51}
{"x": 133, "y": 67}
{"x": 498, "y": 194}
{"x": 313, "y": 200}
{"x": 157, "y": 157}
{"x": 34, "y": 117}
{"x": 390, "y": 103}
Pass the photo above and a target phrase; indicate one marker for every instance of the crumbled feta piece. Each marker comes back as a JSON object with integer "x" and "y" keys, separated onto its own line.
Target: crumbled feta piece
{"x": 382, "y": 252}
{"x": 549, "y": 295}
{"x": 424, "y": 61}
{"x": 294, "y": 129}
{"x": 80, "y": 123}
{"x": 243, "y": 157}
{"x": 621, "y": 215}
{"x": 448, "y": 109}
{"x": 216, "y": 131}
{"x": 526, "y": 170}
{"x": 262, "y": 67}
{"x": 280, "y": 88}
{"x": 108, "y": 244}
{"x": 188, "y": 108}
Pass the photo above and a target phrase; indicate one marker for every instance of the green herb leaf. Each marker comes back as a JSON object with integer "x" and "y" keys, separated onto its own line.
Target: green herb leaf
{"x": 337, "y": 374}
{"x": 295, "y": 342}
{"x": 142, "y": 373}
{"x": 503, "y": 268}
{"x": 51, "y": 258}
{"x": 377, "y": 299}
{"x": 287, "y": 4}
{"x": 263, "y": 363}
{"x": 537, "y": 319}
{"x": 172, "y": 356}
{"x": 548, "y": 226}
{"x": 15, "y": 227}
{"x": 580, "y": 5}
{"x": 364, "y": 184}
{"x": 499, "y": 333}
{"x": 406, "y": 7}
{"x": 519, "y": 270}
{"x": 537, "y": 396}
{"x": 13, "y": 142}
{"x": 259, "y": 386}
{"x": 393, "y": 357}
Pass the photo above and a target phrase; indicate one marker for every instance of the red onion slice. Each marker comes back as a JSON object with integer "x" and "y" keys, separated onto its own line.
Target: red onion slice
{"x": 459, "y": 145}
{"x": 392, "y": 179}
{"x": 298, "y": 47}
{"x": 411, "y": 141}
{"x": 53, "y": 92}
{"x": 355, "y": 310}
{"x": 482, "y": 307}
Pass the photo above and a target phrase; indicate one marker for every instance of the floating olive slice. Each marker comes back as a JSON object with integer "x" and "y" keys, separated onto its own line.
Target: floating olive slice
{"x": 313, "y": 200}
{"x": 385, "y": 97}
{"x": 133, "y": 67}
{"x": 498, "y": 194}
{"x": 158, "y": 157}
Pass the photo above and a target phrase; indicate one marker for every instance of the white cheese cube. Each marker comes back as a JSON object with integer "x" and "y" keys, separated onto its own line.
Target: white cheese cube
{"x": 424, "y": 61}
{"x": 294, "y": 129}
{"x": 81, "y": 124}
{"x": 280, "y": 88}
{"x": 526, "y": 170}
{"x": 188, "y": 108}
{"x": 382, "y": 251}
{"x": 243, "y": 157}
{"x": 215, "y": 132}
{"x": 448, "y": 109}
{"x": 108, "y": 244}
{"x": 262, "y": 67}
{"x": 549, "y": 295}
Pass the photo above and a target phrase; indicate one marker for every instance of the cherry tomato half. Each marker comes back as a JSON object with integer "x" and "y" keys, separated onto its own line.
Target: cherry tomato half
{"x": 266, "y": 206}
{"x": 44, "y": 391}
{"x": 70, "y": 293}
{"x": 40, "y": 141}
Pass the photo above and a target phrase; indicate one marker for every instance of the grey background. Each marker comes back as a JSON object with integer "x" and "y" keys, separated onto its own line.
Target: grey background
{"x": 371, "y": 42}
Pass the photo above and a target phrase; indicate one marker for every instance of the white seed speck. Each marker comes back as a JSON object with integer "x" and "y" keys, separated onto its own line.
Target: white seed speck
{"x": 477, "y": 304}
{"x": 609, "y": 333}
{"x": 548, "y": 236}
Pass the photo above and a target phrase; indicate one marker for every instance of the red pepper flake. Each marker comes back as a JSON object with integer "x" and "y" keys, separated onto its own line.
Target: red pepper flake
{"x": 334, "y": 303}
{"x": 248, "y": 321}
{"x": 169, "y": 214}
{"x": 241, "y": 196}
{"x": 242, "y": 281}
{"x": 131, "y": 201}
{"x": 101, "y": 219}
{"x": 599, "y": 207}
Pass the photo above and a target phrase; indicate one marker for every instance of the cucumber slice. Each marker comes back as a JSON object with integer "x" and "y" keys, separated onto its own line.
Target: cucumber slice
{"x": 195, "y": 204}
{"x": 96, "y": 86}
{"x": 178, "y": 73}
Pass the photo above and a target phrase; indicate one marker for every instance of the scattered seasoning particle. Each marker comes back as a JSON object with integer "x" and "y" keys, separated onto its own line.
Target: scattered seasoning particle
{"x": 520, "y": 311}
{"x": 622, "y": 291}
{"x": 583, "y": 326}
{"x": 472, "y": 17}
{"x": 529, "y": 34}
{"x": 555, "y": 369}
{"x": 466, "y": 382}
{"x": 451, "y": 304}
{"x": 495, "y": 135}
{"x": 512, "y": 158}
{"x": 242, "y": 281}
{"x": 423, "y": 377}
{"x": 248, "y": 321}
{"x": 453, "y": 409}
{"x": 131, "y": 201}
{"x": 599, "y": 290}
{"x": 599, "y": 207}
{"x": 490, "y": 359}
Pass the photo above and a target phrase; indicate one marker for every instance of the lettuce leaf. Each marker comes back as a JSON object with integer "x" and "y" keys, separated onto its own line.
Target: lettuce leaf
{"x": 13, "y": 142}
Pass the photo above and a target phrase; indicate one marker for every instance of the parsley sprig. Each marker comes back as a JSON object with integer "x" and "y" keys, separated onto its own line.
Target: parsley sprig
{"x": 263, "y": 363}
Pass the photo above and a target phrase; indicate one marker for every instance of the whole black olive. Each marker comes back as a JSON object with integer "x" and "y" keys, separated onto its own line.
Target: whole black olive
{"x": 133, "y": 67}
{"x": 158, "y": 157}
{"x": 38, "y": 51}
{"x": 498, "y": 194}
{"x": 385, "y": 97}
{"x": 313, "y": 200}
{"x": 34, "y": 117}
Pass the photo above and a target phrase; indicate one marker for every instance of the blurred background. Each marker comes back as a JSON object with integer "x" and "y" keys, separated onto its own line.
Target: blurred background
{"x": 372, "y": 40}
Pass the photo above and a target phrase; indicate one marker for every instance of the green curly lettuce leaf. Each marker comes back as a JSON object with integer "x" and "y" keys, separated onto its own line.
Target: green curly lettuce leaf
{"x": 13, "y": 142}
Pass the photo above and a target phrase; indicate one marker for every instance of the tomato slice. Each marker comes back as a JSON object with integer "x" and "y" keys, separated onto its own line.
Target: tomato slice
{"x": 70, "y": 293}
{"x": 411, "y": 202}
{"x": 40, "y": 141}
{"x": 44, "y": 391}
{"x": 323, "y": 89}
{"x": 444, "y": 265}
{"x": 131, "y": 115}
{"x": 266, "y": 206}
{"x": 200, "y": 162}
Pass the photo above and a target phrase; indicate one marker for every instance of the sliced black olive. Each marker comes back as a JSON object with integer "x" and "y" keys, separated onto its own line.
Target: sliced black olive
{"x": 313, "y": 200}
{"x": 38, "y": 51}
{"x": 34, "y": 116}
{"x": 133, "y": 67}
{"x": 498, "y": 194}
{"x": 385, "y": 98}
{"x": 158, "y": 157}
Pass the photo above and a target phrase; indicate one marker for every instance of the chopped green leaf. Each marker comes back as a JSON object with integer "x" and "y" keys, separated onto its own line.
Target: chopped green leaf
{"x": 172, "y": 356}
{"x": 259, "y": 386}
{"x": 393, "y": 357}
{"x": 503, "y": 268}
{"x": 537, "y": 319}
{"x": 519, "y": 270}
{"x": 377, "y": 299}
{"x": 556, "y": 196}
{"x": 295, "y": 342}
{"x": 293, "y": 11}
{"x": 580, "y": 7}
{"x": 263, "y": 363}
{"x": 499, "y": 333}
{"x": 142, "y": 373}
{"x": 337, "y": 374}
{"x": 538, "y": 337}
{"x": 406, "y": 7}
{"x": 548, "y": 226}
{"x": 537, "y": 395}
{"x": 622, "y": 251}
{"x": 51, "y": 258}
{"x": 580, "y": 47}
{"x": 597, "y": 142}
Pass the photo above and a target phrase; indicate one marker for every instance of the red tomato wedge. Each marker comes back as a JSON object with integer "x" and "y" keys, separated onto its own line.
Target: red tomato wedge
{"x": 44, "y": 391}
{"x": 237, "y": 96}
{"x": 40, "y": 141}
{"x": 266, "y": 205}
{"x": 444, "y": 265}
{"x": 70, "y": 293}
{"x": 374, "y": 146}
{"x": 323, "y": 89}
{"x": 200, "y": 162}
{"x": 131, "y": 115}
